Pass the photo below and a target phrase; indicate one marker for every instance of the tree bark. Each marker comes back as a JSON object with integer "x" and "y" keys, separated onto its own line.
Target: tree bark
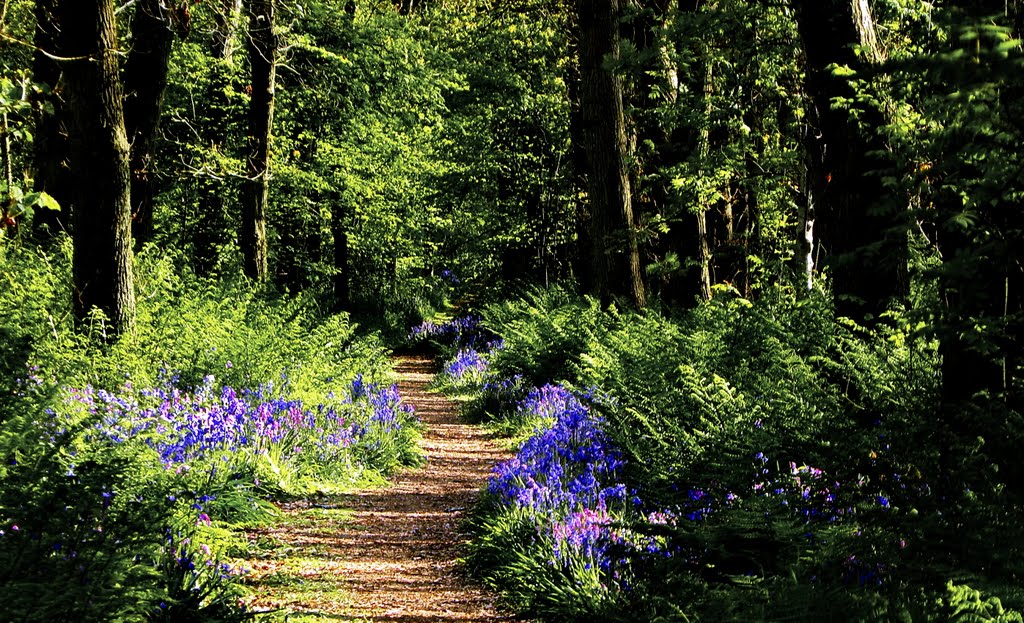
{"x": 858, "y": 227}
{"x": 982, "y": 277}
{"x": 262, "y": 48}
{"x": 102, "y": 264}
{"x": 339, "y": 227}
{"x": 615, "y": 255}
{"x": 582, "y": 266}
{"x": 145, "y": 78}
{"x": 5, "y": 151}
{"x": 704, "y": 259}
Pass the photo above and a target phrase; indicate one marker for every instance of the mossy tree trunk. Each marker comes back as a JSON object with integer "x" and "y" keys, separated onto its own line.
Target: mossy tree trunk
{"x": 102, "y": 264}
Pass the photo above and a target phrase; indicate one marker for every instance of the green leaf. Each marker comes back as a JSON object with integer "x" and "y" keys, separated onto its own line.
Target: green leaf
{"x": 841, "y": 70}
{"x": 46, "y": 202}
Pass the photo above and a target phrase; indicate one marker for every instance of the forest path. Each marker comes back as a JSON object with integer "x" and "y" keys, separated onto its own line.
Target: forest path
{"x": 389, "y": 554}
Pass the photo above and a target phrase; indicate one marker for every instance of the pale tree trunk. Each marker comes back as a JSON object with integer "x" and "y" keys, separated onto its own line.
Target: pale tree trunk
{"x": 225, "y": 33}
{"x": 615, "y": 255}
{"x": 262, "y": 47}
{"x": 805, "y": 238}
{"x": 102, "y": 265}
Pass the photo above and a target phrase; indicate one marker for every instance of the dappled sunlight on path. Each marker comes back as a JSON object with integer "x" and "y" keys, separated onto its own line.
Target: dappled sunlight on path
{"x": 391, "y": 552}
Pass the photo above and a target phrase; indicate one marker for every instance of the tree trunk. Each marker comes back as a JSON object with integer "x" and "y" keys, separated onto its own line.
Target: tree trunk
{"x": 615, "y": 256}
{"x": 145, "y": 78}
{"x": 805, "y": 248}
{"x": 339, "y": 227}
{"x": 50, "y": 157}
{"x": 5, "y": 151}
{"x": 858, "y": 226}
{"x": 102, "y": 265}
{"x": 982, "y": 277}
{"x": 262, "y": 47}
{"x": 225, "y": 18}
{"x": 582, "y": 266}
{"x": 704, "y": 147}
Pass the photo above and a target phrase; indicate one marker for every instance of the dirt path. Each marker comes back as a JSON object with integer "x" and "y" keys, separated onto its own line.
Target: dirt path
{"x": 390, "y": 552}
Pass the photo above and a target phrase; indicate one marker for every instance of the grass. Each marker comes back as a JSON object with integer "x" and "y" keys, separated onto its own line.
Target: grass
{"x": 291, "y": 562}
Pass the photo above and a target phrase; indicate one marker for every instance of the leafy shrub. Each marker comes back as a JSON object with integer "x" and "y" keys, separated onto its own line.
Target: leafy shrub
{"x": 777, "y": 461}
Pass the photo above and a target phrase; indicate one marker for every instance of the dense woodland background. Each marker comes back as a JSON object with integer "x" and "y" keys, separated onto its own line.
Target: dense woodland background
{"x": 770, "y": 250}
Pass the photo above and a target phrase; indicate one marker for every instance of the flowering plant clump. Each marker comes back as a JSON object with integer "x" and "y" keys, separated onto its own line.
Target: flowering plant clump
{"x": 187, "y": 427}
{"x": 568, "y": 477}
{"x": 450, "y": 277}
{"x": 469, "y": 368}
{"x": 568, "y": 466}
{"x": 467, "y": 363}
{"x": 153, "y": 479}
{"x": 460, "y": 332}
{"x": 382, "y": 408}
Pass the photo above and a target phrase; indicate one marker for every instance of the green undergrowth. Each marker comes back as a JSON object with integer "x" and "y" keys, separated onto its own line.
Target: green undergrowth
{"x": 130, "y": 468}
{"x": 743, "y": 461}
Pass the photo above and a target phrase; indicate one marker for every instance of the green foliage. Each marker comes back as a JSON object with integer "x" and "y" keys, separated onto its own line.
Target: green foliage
{"x": 713, "y": 406}
{"x": 508, "y": 554}
{"x": 543, "y": 331}
{"x": 427, "y": 161}
{"x": 19, "y": 99}
{"x": 956, "y": 133}
{"x": 506, "y": 193}
{"x": 72, "y": 556}
{"x": 965, "y": 604}
{"x": 94, "y": 524}
{"x": 717, "y": 98}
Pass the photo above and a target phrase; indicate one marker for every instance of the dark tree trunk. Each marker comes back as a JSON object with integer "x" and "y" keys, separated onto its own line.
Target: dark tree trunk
{"x": 339, "y": 228}
{"x": 102, "y": 265}
{"x": 50, "y": 157}
{"x": 973, "y": 291}
{"x": 615, "y": 255}
{"x": 582, "y": 267}
{"x": 859, "y": 232}
{"x": 262, "y": 47}
{"x": 5, "y": 152}
{"x": 145, "y": 78}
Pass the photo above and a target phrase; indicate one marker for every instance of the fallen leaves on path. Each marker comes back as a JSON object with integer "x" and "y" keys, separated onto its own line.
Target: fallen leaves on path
{"x": 390, "y": 553}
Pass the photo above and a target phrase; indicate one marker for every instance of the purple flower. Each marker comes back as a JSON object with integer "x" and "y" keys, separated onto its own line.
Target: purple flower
{"x": 466, "y": 362}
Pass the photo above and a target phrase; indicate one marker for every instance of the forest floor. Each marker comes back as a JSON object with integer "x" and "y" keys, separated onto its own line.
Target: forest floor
{"x": 387, "y": 553}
